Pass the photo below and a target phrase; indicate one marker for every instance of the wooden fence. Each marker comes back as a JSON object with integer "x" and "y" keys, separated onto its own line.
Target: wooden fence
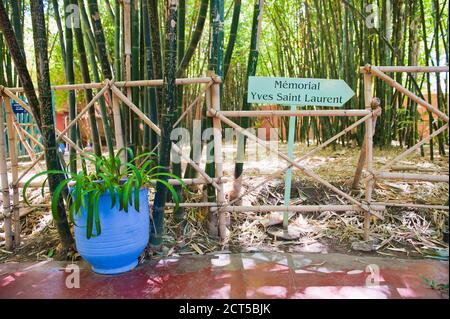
{"x": 211, "y": 93}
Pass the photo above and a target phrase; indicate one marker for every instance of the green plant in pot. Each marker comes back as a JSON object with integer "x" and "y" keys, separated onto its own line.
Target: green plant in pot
{"x": 109, "y": 207}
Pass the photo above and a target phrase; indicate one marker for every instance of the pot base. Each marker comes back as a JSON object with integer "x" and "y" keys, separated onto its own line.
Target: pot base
{"x": 114, "y": 271}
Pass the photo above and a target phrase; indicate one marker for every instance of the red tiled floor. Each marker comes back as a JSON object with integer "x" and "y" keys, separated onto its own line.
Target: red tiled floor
{"x": 256, "y": 275}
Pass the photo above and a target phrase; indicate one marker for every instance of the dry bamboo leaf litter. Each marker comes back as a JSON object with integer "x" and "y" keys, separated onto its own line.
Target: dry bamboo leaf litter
{"x": 405, "y": 231}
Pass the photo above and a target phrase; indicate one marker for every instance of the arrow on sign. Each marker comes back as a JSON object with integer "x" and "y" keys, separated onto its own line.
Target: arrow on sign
{"x": 298, "y": 91}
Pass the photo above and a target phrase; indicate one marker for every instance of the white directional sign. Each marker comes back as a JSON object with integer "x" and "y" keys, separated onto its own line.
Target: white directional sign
{"x": 298, "y": 91}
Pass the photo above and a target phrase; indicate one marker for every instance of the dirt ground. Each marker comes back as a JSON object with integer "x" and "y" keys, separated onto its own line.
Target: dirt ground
{"x": 404, "y": 233}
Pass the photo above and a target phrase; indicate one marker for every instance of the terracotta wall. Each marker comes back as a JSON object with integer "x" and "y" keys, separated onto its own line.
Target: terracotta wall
{"x": 60, "y": 120}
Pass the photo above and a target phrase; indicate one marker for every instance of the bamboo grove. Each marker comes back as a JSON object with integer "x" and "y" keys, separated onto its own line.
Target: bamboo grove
{"x": 90, "y": 40}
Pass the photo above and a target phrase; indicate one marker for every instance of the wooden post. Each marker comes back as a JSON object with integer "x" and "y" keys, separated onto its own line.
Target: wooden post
{"x": 12, "y": 141}
{"x": 218, "y": 159}
{"x": 118, "y": 127}
{"x": 368, "y": 151}
{"x": 5, "y": 185}
{"x": 288, "y": 178}
{"x": 375, "y": 105}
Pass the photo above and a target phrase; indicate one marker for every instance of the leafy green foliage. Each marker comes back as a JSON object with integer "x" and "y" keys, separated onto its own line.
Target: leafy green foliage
{"x": 122, "y": 181}
{"x": 434, "y": 285}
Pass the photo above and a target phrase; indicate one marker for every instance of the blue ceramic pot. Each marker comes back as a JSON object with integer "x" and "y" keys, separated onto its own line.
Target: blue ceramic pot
{"x": 123, "y": 237}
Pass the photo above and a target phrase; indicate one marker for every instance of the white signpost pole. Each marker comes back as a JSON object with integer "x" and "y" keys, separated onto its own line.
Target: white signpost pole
{"x": 288, "y": 180}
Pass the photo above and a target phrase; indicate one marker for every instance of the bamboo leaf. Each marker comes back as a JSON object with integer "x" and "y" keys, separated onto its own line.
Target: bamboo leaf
{"x": 56, "y": 197}
{"x": 98, "y": 228}
{"x": 137, "y": 187}
{"x": 90, "y": 215}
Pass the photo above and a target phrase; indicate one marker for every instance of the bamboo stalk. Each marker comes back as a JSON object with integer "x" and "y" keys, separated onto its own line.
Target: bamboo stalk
{"x": 33, "y": 184}
{"x": 218, "y": 160}
{"x": 60, "y": 31}
{"x": 212, "y": 219}
{"x": 350, "y": 113}
{"x": 186, "y": 181}
{"x": 197, "y": 181}
{"x": 118, "y": 127}
{"x": 120, "y": 84}
{"x": 27, "y": 209}
{"x": 12, "y": 142}
{"x": 415, "y": 168}
{"x": 300, "y": 208}
{"x": 150, "y": 99}
{"x": 83, "y": 62}
{"x": 195, "y": 38}
{"x": 5, "y": 187}
{"x": 409, "y": 69}
{"x": 35, "y": 205}
{"x": 368, "y": 95}
{"x": 71, "y": 143}
{"x": 411, "y": 205}
{"x": 52, "y": 159}
{"x": 232, "y": 37}
{"x": 181, "y": 81}
{"x": 167, "y": 111}
{"x": 65, "y": 87}
{"x": 127, "y": 42}
{"x": 412, "y": 177}
{"x": 157, "y": 56}
{"x": 362, "y": 156}
{"x": 117, "y": 39}
{"x": 192, "y": 205}
{"x": 391, "y": 82}
{"x": 360, "y": 166}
